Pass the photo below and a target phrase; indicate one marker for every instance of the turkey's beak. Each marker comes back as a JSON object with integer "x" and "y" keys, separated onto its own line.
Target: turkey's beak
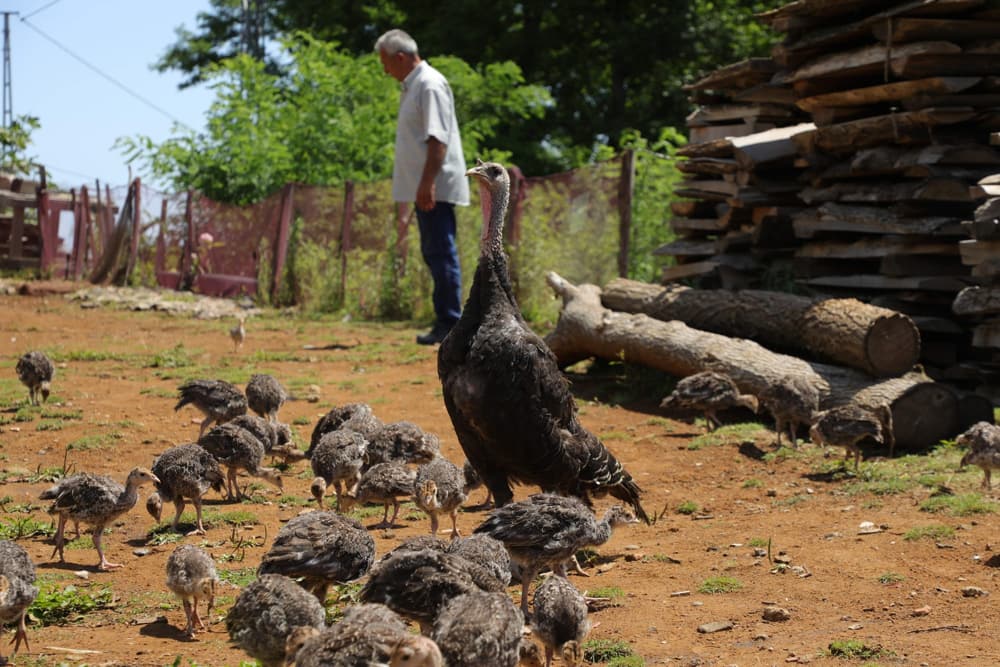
{"x": 156, "y": 480}
{"x": 477, "y": 170}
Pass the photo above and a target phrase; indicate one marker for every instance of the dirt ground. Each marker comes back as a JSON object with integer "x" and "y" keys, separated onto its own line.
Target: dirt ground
{"x": 783, "y": 528}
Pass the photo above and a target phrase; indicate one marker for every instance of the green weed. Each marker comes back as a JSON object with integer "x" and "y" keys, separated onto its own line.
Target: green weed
{"x": 960, "y": 505}
{"x": 20, "y": 527}
{"x": 605, "y": 650}
{"x": 687, "y": 507}
{"x": 854, "y": 649}
{"x": 59, "y": 603}
{"x": 934, "y": 532}
{"x": 614, "y": 594}
{"x": 890, "y": 578}
{"x": 714, "y": 585}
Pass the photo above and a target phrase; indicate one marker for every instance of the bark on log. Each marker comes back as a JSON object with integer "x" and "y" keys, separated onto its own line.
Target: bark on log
{"x": 924, "y": 412}
{"x": 877, "y": 341}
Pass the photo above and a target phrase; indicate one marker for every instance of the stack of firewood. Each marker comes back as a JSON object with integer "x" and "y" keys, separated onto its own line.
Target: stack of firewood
{"x": 903, "y": 96}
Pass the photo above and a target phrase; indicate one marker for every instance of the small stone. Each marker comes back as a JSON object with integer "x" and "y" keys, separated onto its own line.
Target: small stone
{"x": 973, "y": 592}
{"x": 868, "y": 528}
{"x": 759, "y": 552}
{"x": 921, "y": 611}
{"x": 855, "y": 626}
{"x": 776, "y": 614}
{"x": 678, "y": 594}
{"x": 761, "y": 637}
{"x": 141, "y": 552}
{"x": 633, "y": 557}
{"x": 606, "y": 567}
{"x": 771, "y": 493}
{"x": 82, "y": 574}
{"x": 632, "y": 547}
{"x": 715, "y": 626}
{"x": 784, "y": 560}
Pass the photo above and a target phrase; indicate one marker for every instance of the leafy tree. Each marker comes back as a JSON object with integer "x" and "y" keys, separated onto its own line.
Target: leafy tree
{"x": 610, "y": 65}
{"x": 14, "y": 143}
{"x": 329, "y": 118}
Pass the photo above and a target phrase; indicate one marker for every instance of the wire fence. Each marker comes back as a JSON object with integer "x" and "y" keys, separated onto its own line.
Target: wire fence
{"x": 350, "y": 248}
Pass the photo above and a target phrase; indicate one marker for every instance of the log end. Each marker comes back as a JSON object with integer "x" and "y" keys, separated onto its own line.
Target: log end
{"x": 924, "y": 415}
{"x": 892, "y": 345}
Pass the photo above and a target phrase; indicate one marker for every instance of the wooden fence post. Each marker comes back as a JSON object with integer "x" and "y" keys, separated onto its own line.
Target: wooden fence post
{"x": 281, "y": 244}
{"x": 345, "y": 235}
{"x": 626, "y": 185}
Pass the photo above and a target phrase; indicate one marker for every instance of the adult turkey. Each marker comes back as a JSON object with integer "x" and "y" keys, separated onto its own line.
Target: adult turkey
{"x": 510, "y": 405}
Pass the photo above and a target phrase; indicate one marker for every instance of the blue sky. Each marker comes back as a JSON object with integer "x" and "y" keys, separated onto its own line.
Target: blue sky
{"x": 81, "y": 112}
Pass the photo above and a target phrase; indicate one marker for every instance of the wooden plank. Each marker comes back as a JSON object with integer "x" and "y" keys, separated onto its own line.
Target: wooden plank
{"x": 878, "y": 282}
{"x": 742, "y": 74}
{"x": 987, "y": 334}
{"x": 714, "y": 132}
{"x": 921, "y": 65}
{"x": 689, "y": 270}
{"x": 922, "y": 265}
{"x": 977, "y": 301}
{"x": 973, "y": 100}
{"x": 931, "y": 189}
{"x": 768, "y": 146}
{"x": 898, "y": 128}
{"x": 975, "y": 251}
{"x": 707, "y": 115}
{"x": 877, "y": 248}
{"x": 686, "y": 248}
{"x": 888, "y": 92}
{"x": 766, "y": 93}
{"x": 697, "y": 224}
{"x": 905, "y": 29}
{"x": 865, "y": 60}
{"x": 708, "y": 166}
{"x": 834, "y": 217}
{"x": 805, "y": 13}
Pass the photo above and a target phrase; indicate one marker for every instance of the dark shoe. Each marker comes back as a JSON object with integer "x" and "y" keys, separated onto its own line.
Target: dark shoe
{"x": 435, "y": 335}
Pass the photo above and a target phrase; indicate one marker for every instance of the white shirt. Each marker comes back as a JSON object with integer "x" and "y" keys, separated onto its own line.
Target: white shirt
{"x": 427, "y": 109}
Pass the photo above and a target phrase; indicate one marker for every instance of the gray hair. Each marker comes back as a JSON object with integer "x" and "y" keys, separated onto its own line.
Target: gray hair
{"x": 396, "y": 41}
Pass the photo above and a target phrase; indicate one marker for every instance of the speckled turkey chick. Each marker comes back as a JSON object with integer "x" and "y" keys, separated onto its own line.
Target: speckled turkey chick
{"x": 439, "y": 488}
{"x": 384, "y": 483}
{"x": 184, "y": 472}
{"x": 708, "y": 392}
{"x": 266, "y": 612}
{"x": 366, "y": 635}
{"x": 983, "y": 441}
{"x": 401, "y": 441}
{"x": 337, "y": 459}
{"x": 35, "y": 371}
{"x": 238, "y": 449}
{"x": 218, "y": 400}
{"x": 275, "y": 436}
{"x": 357, "y": 417}
{"x": 848, "y": 425}
{"x": 485, "y": 551}
{"x": 95, "y": 500}
{"x": 191, "y": 576}
{"x": 560, "y": 620}
{"x": 265, "y": 395}
{"x": 792, "y": 402}
{"x": 17, "y": 590}
{"x": 320, "y": 548}
{"x": 479, "y": 628}
{"x": 417, "y": 583}
{"x": 546, "y": 530}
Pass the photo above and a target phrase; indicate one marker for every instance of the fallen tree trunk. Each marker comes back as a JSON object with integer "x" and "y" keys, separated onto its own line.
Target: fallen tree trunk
{"x": 924, "y": 412}
{"x": 877, "y": 341}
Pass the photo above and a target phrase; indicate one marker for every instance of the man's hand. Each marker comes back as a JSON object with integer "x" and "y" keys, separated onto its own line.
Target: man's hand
{"x": 435, "y": 158}
{"x": 425, "y": 194}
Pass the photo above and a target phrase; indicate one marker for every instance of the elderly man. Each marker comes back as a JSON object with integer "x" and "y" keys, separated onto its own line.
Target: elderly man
{"x": 429, "y": 170}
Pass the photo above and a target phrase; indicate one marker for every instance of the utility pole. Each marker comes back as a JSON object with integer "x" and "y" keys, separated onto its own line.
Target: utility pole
{"x": 8, "y": 101}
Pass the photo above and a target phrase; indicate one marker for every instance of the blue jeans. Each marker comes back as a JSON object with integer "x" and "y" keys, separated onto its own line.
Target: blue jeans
{"x": 437, "y": 245}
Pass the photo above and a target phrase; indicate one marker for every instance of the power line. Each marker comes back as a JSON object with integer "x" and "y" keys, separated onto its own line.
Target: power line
{"x": 104, "y": 75}
{"x": 41, "y": 9}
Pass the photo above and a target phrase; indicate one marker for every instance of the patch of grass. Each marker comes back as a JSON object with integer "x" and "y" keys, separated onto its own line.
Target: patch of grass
{"x": 163, "y": 534}
{"x": 615, "y": 595}
{"x": 960, "y": 505}
{"x": 20, "y": 527}
{"x": 158, "y": 392}
{"x": 728, "y": 434}
{"x": 59, "y": 603}
{"x": 96, "y": 441}
{"x": 890, "y": 578}
{"x": 213, "y": 517}
{"x": 89, "y": 355}
{"x": 176, "y": 357}
{"x": 753, "y": 483}
{"x": 51, "y": 413}
{"x": 50, "y": 425}
{"x": 854, "y": 649}
{"x": 301, "y": 421}
{"x": 687, "y": 507}
{"x": 239, "y": 577}
{"x": 627, "y": 661}
{"x": 757, "y": 542}
{"x": 783, "y": 453}
{"x": 26, "y": 413}
{"x": 605, "y": 650}
{"x": 791, "y": 501}
{"x": 934, "y": 532}
{"x": 714, "y": 585}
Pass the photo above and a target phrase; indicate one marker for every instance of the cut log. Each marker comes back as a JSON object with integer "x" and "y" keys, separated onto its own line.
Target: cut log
{"x": 877, "y": 341}
{"x": 833, "y": 217}
{"x": 977, "y": 302}
{"x": 924, "y": 412}
{"x": 912, "y": 29}
{"x": 923, "y": 65}
{"x": 864, "y": 61}
{"x": 743, "y": 74}
{"x": 896, "y": 128}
